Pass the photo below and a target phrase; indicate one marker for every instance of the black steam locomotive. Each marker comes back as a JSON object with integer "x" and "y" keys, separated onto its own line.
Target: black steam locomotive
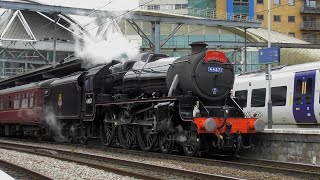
{"x": 155, "y": 102}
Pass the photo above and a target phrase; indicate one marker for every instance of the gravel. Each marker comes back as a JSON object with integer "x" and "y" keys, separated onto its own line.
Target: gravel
{"x": 214, "y": 168}
{"x": 56, "y": 169}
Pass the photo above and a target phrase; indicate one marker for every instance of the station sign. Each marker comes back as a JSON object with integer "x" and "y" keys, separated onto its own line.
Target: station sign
{"x": 269, "y": 55}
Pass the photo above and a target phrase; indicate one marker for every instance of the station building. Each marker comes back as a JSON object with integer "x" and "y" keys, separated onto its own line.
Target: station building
{"x": 27, "y": 41}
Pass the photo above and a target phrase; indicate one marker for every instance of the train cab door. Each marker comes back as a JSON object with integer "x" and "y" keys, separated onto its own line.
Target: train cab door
{"x": 89, "y": 97}
{"x": 303, "y": 97}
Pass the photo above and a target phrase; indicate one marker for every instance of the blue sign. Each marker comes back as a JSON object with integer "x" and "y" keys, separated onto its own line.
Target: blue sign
{"x": 215, "y": 69}
{"x": 269, "y": 55}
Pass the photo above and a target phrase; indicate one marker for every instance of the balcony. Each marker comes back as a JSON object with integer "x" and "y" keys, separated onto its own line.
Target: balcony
{"x": 310, "y": 26}
{"x": 312, "y": 40}
{"x": 310, "y": 10}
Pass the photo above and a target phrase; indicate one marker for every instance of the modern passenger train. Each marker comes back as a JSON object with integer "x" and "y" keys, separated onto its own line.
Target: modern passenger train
{"x": 295, "y": 95}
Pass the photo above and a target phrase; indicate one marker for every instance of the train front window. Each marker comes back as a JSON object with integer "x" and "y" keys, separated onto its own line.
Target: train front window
{"x": 308, "y": 91}
{"x": 241, "y": 98}
{"x": 258, "y": 98}
{"x": 279, "y": 96}
{"x": 298, "y": 92}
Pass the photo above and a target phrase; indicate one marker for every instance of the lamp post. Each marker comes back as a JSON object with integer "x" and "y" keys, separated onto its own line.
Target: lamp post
{"x": 268, "y": 72}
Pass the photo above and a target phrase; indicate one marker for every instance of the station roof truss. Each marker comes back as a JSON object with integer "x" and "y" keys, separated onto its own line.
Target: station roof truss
{"x": 154, "y": 17}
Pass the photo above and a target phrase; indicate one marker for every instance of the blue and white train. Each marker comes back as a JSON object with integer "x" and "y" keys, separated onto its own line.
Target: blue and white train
{"x": 295, "y": 94}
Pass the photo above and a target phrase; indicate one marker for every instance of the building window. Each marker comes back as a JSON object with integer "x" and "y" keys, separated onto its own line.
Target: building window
{"x": 258, "y": 97}
{"x": 292, "y": 34}
{"x": 241, "y": 97}
{"x": 259, "y": 1}
{"x": 153, "y": 7}
{"x": 291, "y": 2}
{"x": 277, "y": 18}
{"x": 260, "y": 17}
{"x": 180, "y": 6}
{"x": 310, "y": 3}
{"x": 241, "y": 2}
{"x": 276, "y": 2}
{"x": 291, "y": 19}
{"x": 279, "y": 96}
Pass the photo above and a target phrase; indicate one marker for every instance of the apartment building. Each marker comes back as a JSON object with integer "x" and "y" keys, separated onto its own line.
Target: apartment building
{"x": 298, "y": 18}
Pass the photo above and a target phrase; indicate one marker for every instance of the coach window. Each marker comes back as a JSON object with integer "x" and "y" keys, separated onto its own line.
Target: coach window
{"x": 24, "y": 103}
{"x": 16, "y": 102}
{"x": 1, "y": 103}
{"x": 309, "y": 91}
{"x": 9, "y": 102}
{"x": 298, "y": 92}
{"x": 258, "y": 98}
{"x": 279, "y": 96}
{"x": 241, "y": 97}
{"x": 31, "y": 100}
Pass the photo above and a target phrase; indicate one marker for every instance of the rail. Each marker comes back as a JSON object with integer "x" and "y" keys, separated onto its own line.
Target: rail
{"x": 18, "y": 172}
{"x": 118, "y": 166}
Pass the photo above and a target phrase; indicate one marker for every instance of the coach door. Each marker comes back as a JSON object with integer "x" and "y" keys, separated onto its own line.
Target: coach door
{"x": 303, "y": 98}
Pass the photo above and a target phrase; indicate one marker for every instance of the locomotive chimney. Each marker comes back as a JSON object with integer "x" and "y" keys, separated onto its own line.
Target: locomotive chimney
{"x": 198, "y": 47}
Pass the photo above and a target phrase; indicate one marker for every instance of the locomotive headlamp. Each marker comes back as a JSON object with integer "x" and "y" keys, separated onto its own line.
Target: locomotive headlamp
{"x": 210, "y": 124}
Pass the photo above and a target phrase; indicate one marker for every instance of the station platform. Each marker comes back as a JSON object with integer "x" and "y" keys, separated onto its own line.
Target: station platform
{"x": 5, "y": 176}
{"x": 297, "y": 145}
{"x": 292, "y": 131}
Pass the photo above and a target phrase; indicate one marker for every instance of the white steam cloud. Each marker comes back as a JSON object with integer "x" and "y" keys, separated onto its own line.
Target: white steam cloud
{"x": 54, "y": 124}
{"x": 102, "y": 40}
{"x": 107, "y": 45}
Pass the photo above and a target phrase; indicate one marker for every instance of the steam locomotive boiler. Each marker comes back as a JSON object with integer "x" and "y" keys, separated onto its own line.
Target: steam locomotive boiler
{"x": 156, "y": 102}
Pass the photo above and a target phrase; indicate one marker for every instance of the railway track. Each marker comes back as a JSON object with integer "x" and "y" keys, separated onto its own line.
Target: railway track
{"x": 18, "y": 172}
{"x": 122, "y": 167}
{"x": 303, "y": 171}
{"x": 289, "y": 169}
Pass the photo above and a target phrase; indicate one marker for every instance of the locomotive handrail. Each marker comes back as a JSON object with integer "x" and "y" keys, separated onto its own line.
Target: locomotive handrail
{"x": 203, "y": 106}
{"x": 135, "y": 70}
{"x": 232, "y": 98}
{"x": 137, "y": 101}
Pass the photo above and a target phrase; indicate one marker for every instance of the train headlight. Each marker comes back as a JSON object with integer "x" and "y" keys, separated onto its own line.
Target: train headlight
{"x": 259, "y": 125}
{"x": 210, "y": 124}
